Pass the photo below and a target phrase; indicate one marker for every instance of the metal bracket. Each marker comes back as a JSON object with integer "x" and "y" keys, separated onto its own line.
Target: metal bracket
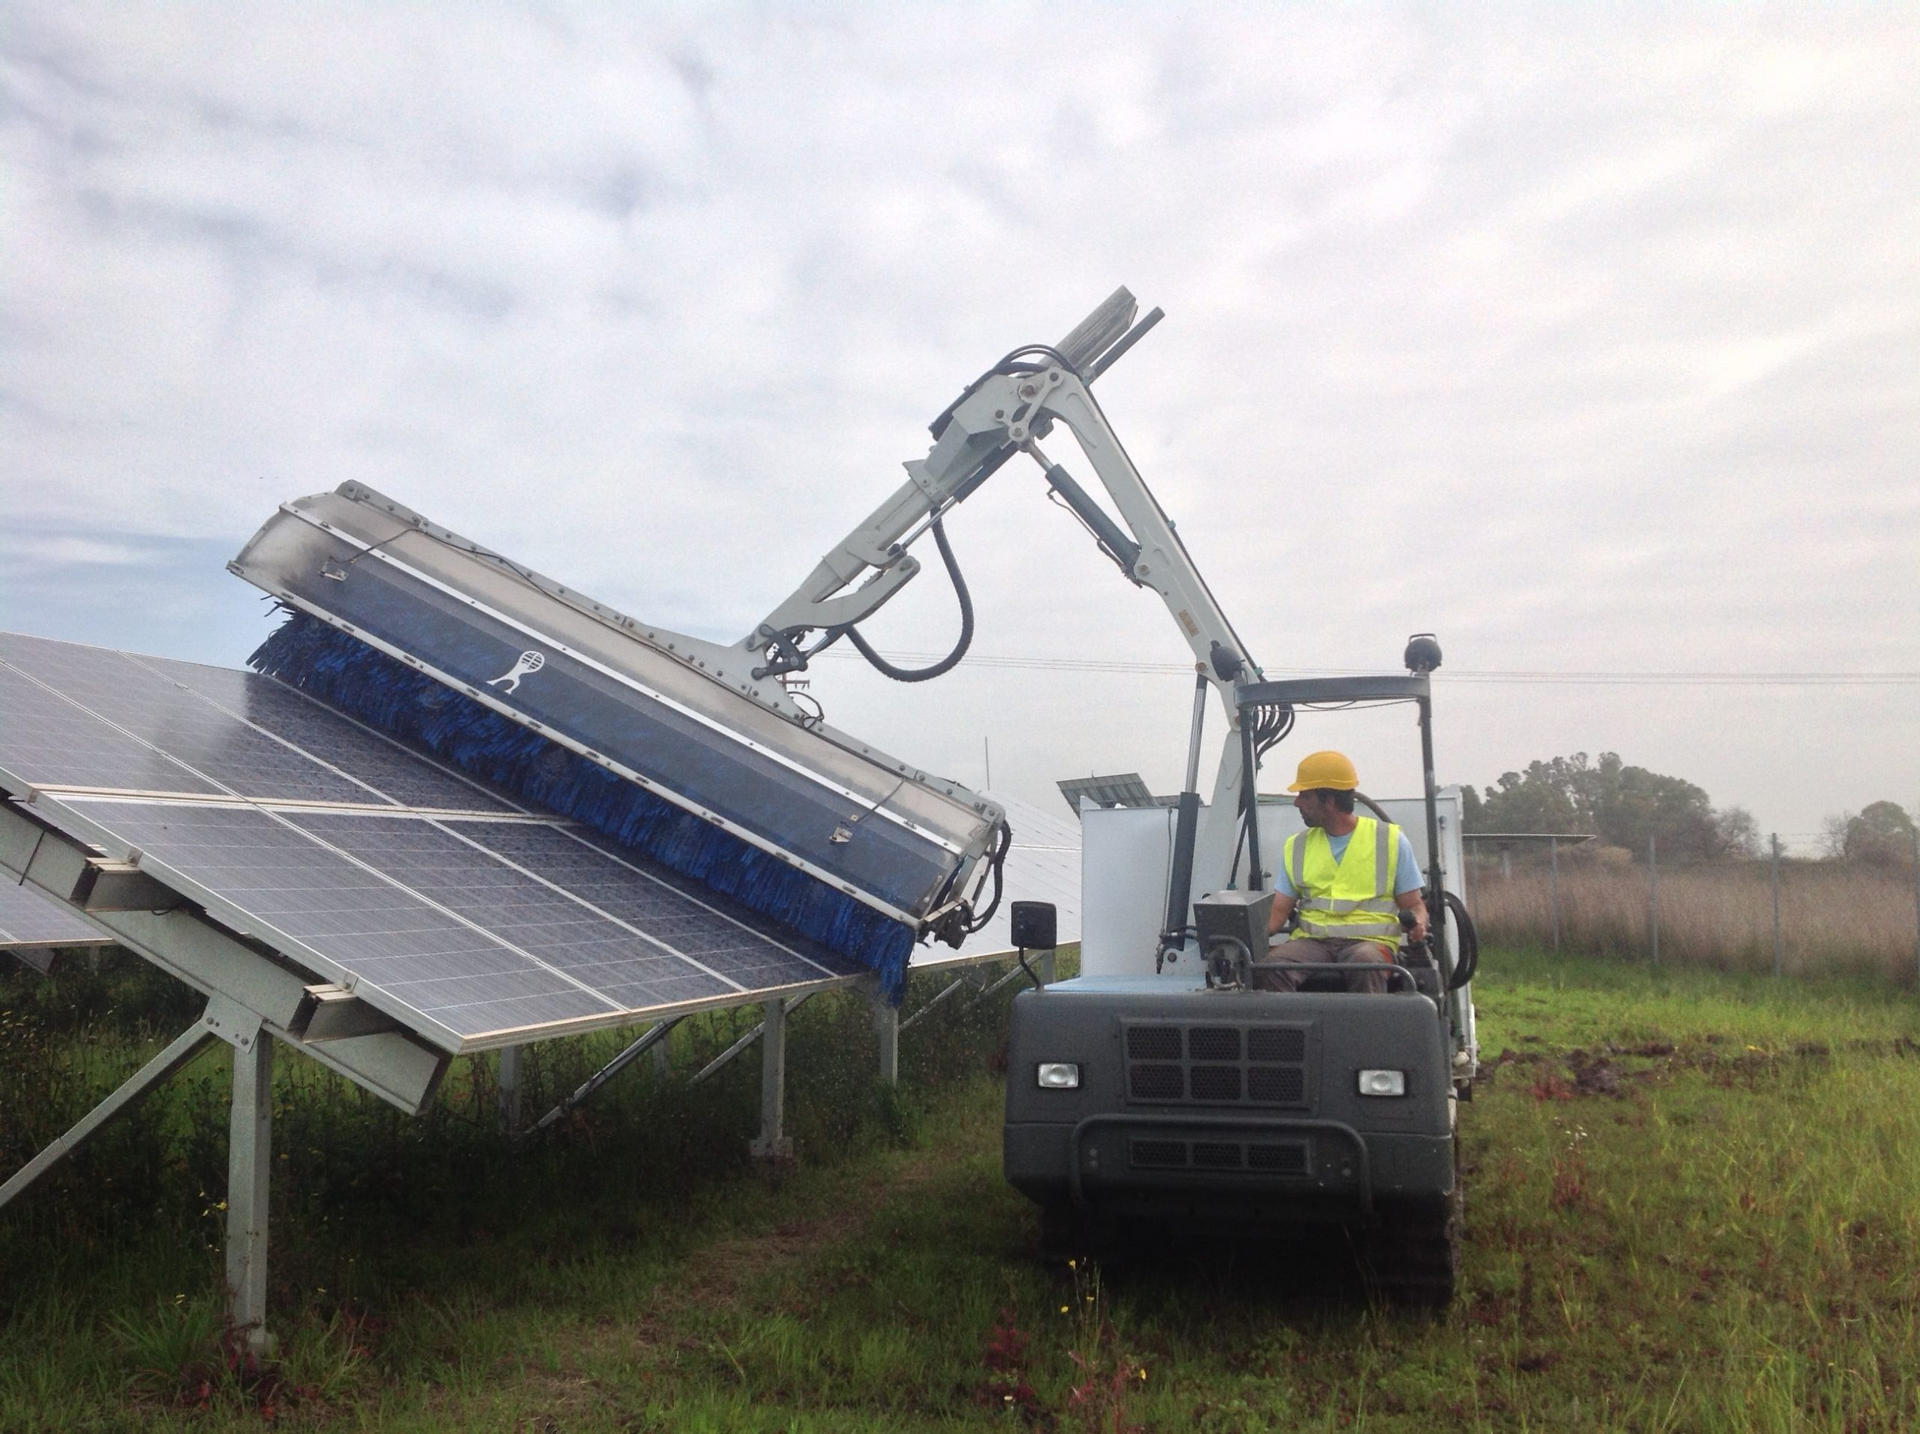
{"x": 232, "y": 1022}
{"x": 122, "y": 886}
{"x": 1033, "y": 391}
{"x": 333, "y": 1013}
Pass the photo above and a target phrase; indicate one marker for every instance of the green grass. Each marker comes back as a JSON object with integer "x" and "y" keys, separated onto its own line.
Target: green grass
{"x": 1691, "y": 1205}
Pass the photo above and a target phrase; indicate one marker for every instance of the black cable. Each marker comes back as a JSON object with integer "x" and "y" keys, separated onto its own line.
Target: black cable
{"x": 1053, "y": 356}
{"x": 1469, "y": 943}
{"x": 1007, "y": 365}
{"x": 1032, "y": 975}
{"x": 1270, "y": 728}
{"x": 994, "y": 864}
{"x": 945, "y": 664}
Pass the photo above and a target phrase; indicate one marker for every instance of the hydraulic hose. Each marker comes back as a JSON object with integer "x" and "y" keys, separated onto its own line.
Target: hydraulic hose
{"x": 945, "y": 664}
{"x": 995, "y": 862}
{"x": 1469, "y": 943}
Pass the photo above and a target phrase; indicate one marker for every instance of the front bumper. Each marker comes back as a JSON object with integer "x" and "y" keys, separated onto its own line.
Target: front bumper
{"x": 1129, "y": 1158}
{"x": 1242, "y": 1103}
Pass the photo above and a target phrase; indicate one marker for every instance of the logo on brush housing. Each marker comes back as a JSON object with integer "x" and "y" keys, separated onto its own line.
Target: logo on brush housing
{"x": 530, "y": 662}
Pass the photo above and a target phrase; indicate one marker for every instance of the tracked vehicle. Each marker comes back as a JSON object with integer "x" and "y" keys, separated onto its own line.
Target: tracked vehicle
{"x": 1160, "y": 1093}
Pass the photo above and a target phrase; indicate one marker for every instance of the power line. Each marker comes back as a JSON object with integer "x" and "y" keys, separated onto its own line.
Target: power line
{"x": 1690, "y": 679}
{"x": 1510, "y": 677}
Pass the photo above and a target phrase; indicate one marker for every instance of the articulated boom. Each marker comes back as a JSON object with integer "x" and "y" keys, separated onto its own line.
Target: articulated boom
{"x": 1007, "y": 411}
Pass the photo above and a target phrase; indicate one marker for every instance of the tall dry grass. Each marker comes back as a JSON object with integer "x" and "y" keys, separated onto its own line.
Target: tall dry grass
{"x": 1834, "y": 918}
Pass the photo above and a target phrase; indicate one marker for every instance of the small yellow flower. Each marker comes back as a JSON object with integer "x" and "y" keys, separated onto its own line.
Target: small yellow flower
{"x": 1063, "y": 1309}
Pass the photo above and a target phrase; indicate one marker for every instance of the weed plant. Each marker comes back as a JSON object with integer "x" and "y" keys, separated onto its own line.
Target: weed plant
{"x": 408, "y": 1227}
{"x": 1691, "y": 1206}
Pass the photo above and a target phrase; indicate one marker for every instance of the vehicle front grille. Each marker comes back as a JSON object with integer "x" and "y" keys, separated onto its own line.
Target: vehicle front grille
{"x": 1206, "y": 1063}
{"x": 1252, "y": 1157}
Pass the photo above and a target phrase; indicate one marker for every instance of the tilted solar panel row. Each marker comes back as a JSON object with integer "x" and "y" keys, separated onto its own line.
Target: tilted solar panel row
{"x": 444, "y": 905}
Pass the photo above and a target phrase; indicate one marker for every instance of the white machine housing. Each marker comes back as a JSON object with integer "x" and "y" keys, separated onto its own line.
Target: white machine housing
{"x": 1126, "y": 857}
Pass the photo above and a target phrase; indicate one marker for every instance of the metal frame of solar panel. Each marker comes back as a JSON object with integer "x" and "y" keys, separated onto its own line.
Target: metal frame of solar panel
{"x": 35, "y": 929}
{"x": 1120, "y": 789}
{"x": 336, "y": 892}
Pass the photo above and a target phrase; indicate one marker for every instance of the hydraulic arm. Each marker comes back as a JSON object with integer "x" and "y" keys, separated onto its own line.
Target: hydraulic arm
{"x": 1005, "y": 412}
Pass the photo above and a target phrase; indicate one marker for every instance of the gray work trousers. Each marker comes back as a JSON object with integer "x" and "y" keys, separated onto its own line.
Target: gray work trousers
{"x": 1326, "y": 950}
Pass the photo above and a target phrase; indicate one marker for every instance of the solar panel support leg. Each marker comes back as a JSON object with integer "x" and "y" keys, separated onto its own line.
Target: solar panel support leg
{"x": 958, "y": 983}
{"x": 748, "y": 1039}
{"x": 508, "y": 1079}
{"x": 654, "y": 1039}
{"x": 249, "y": 1166}
{"x": 886, "y": 1025}
{"x": 1018, "y": 972}
{"x": 773, "y": 1144}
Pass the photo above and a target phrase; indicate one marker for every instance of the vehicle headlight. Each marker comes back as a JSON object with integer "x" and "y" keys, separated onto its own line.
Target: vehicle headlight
{"x": 1383, "y": 1082}
{"x": 1058, "y": 1075}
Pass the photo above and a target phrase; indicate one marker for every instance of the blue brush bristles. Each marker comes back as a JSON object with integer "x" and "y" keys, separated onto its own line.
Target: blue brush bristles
{"x": 363, "y": 682}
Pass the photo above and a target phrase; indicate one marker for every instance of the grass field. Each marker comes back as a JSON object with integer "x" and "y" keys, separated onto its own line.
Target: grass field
{"x": 1691, "y": 1206}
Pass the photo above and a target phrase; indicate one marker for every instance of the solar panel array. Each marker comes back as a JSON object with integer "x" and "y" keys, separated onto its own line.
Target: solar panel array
{"x": 1042, "y": 865}
{"x": 464, "y": 916}
{"x": 30, "y": 922}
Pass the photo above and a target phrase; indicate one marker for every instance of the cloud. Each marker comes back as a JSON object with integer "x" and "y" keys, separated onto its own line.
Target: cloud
{"x": 31, "y": 550}
{"x": 1556, "y": 330}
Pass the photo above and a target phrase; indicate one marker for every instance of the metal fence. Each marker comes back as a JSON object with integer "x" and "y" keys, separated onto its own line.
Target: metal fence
{"x": 1779, "y": 914}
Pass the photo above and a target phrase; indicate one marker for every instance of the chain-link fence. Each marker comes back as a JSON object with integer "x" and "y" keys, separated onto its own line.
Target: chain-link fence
{"x": 1778, "y": 914}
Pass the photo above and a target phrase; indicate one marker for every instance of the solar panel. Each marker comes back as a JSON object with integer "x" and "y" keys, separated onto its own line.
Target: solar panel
{"x": 220, "y": 731}
{"x": 446, "y": 906}
{"x": 1043, "y": 864}
{"x": 1122, "y": 789}
{"x": 33, "y": 927}
{"x": 378, "y": 762}
{"x": 739, "y": 947}
{"x": 57, "y": 745}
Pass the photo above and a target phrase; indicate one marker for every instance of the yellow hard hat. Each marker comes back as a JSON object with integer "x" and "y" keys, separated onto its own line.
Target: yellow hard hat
{"x": 1326, "y": 769}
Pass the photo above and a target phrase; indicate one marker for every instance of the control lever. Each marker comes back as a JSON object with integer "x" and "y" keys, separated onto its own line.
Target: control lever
{"x": 1415, "y": 953}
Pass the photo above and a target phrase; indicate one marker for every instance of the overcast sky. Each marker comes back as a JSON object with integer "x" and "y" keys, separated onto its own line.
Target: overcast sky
{"x": 1585, "y": 337}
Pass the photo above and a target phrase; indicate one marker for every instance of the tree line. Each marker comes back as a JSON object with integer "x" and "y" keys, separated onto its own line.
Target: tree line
{"x": 1624, "y": 805}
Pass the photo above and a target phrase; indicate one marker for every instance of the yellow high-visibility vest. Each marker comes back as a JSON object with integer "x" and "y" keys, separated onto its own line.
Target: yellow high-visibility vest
{"x": 1352, "y": 897}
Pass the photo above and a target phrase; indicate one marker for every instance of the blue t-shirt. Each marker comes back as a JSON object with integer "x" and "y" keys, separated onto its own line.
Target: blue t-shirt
{"x": 1406, "y": 871}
